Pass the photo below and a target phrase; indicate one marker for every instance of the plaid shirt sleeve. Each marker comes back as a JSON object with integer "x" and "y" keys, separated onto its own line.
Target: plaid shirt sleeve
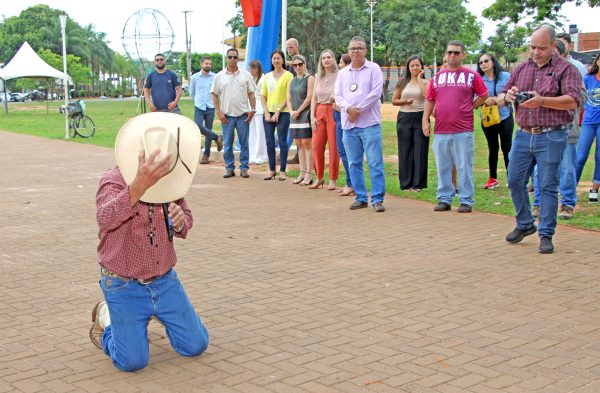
{"x": 571, "y": 83}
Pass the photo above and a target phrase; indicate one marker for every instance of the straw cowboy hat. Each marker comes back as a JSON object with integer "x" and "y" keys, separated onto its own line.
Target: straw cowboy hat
{"x": 170, "y": 133}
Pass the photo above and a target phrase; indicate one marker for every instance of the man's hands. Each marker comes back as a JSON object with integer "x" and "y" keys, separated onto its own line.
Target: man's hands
{"x": 152, "y": 107}
{"x": 249, "y": 115}
{"x": 426, "y": 126}
{"x": 353, "y": 113}
{"x": 177, "y": 216}
{"x": 172, "y": 105}
{"x": 222, "y": 117}
{"x": 491, "y": 101}
{"x": 536, "y": 102}
{"x": 149, "y": 172}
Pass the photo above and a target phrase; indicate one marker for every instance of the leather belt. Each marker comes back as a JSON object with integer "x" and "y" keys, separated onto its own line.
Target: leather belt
{"x": 108, "y": 273}
{"x": 541, "y": 130}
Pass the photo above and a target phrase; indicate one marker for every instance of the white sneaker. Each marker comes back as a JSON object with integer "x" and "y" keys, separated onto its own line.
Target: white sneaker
{"x": 593, "y": 196}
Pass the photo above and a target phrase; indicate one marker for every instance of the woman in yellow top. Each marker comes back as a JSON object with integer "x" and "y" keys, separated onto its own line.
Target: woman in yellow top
{"x": 277, "y": 115}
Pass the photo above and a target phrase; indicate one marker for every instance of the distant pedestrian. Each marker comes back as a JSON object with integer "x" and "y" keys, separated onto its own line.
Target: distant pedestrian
{"x": 164, "y": 88}
{"x": 323, "y": 122}
{"x": 298, "y": 100}
{"x": 232, "y": 91}
{"x": 413, "y": 145}
{"x": 495, "y": 79}
{"x": 277, "y": 115}
{"x": 257, "y": 143}
{"x": 357, "y": 91}
{"x": 451, "y": 93}
{"x": 204, "y": 109}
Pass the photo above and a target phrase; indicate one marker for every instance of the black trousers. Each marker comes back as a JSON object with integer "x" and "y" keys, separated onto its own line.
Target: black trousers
{"x": 413, "y": 150}
{"x": 504, "y": 132}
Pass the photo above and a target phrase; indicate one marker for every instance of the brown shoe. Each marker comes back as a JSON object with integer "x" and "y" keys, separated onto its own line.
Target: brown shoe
{"x": 97, "y": 329}
{"x": 566, "y": 212}
{"x": 219, "y": 143}
{"x": 204, "y": 159}
{"x": 244, "y": 173}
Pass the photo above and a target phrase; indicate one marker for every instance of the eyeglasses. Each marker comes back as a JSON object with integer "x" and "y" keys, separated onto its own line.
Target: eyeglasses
{"x": 232, "y": 57}
{"x": 355, "y": 49}
{"x": 453, "y": 52}
{"x": 157, "y": 60}
{"x": 297, "y": 65}
{"x": 484, "y": 61}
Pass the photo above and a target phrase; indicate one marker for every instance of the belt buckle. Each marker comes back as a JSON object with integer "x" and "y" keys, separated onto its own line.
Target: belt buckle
{"x": 146, "y": 282}
{"x": 537, "y": 130}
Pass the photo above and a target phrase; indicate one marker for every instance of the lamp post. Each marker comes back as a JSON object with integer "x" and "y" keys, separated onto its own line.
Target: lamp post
{"x": 372, "y": 4}
{"x": 187, "y": 50}
{"x": 63, "y": 25}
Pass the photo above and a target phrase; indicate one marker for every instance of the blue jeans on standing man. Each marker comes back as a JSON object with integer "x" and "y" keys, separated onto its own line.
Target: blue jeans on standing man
{"x": 567, "y": 178}
{"x": 204, "y": 119}
{"x": 457, "y": 149}
{"x": 243, "y": 129}
{"x": 358, "y": 142}
{"x": 282, "y": 125}
{"x": 589, "y": 132}
{"x": 339, "y": 135}
{"x": 131, "y": 305}
{"x": 545, "y": 150}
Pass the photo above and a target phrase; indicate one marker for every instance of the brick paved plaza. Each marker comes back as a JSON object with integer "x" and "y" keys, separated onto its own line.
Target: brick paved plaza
{"x": 299, "y": 293}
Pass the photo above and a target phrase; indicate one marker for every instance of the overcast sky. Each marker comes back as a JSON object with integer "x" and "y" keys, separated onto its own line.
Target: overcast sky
{"x": 205, "y": 23}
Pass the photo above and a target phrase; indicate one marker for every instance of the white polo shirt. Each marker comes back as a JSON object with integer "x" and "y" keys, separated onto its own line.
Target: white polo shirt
{"x": 232, "y": 89}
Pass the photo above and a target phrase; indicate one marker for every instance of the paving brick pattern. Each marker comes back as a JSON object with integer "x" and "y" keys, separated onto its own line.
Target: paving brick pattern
{"x": 299, "y": 293}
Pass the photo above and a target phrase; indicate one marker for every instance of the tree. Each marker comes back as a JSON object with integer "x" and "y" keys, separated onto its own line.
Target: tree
{"x": 507, "y": 43}
{"x": 321, "y": 24}
{"x": 415, "y": 27}
{"x": 236, "y": 24}
{"x": 539, "y": 10}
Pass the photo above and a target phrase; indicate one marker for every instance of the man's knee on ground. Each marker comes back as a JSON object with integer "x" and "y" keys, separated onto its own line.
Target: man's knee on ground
{"x": 130, "y": 365}
{"x": 194, "y": 347}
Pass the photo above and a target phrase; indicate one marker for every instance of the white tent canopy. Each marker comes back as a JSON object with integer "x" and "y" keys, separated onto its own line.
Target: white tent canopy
{"x": 26, "y": 63}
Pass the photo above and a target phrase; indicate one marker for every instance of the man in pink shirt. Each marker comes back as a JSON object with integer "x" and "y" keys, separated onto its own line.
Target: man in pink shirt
{"x": 451, "y": 93}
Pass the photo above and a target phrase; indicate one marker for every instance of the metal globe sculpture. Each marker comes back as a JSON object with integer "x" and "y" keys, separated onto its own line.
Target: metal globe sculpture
{"x": 146, "y": 33}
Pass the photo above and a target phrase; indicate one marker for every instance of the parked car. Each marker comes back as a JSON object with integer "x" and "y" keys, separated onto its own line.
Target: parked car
{"x": 18, "y": 97}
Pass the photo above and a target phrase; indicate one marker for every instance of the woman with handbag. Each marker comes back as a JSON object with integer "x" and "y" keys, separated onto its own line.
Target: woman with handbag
{"x": 496, "y": 122}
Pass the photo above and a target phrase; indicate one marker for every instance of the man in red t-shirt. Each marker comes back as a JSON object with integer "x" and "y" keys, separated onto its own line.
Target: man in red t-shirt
{"x": 451, "y": 93}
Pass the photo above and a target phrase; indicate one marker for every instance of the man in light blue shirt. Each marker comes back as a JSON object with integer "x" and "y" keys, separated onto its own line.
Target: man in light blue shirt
{"x": 566, "y": 39}
{"x": 204, "y": 112}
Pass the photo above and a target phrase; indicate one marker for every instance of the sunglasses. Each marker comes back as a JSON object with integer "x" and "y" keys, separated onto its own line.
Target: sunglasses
{"x": 453, "y": 52}
{"x": 355, "y": 49}
{"x": 159, "y": 59}
{"x": 232, "y": 57}
{"x": 484, "y": 61}
{"x": 296, "y": 65}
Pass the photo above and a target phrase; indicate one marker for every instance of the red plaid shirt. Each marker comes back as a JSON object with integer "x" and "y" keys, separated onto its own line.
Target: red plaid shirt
{"x": 556, "y": 78}
{"x": 125, "y": 247}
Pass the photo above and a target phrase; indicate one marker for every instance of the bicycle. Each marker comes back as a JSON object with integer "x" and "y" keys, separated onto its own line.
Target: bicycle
{"x": 79, "y": 123}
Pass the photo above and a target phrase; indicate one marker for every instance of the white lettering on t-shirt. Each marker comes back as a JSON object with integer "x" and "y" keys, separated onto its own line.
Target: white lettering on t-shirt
{"x": 460, "y": 79}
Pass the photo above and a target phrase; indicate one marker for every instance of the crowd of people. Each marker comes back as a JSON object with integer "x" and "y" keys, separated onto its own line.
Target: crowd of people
{"x": 338, "y": 106}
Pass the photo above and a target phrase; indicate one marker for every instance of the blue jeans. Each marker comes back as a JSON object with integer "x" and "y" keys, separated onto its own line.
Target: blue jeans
{"x": 545, "y": 150}
{"x": 204, "y": 119}
{"x": 131, "y": 305}
{"x": 282, "y": 125}
{"x": 339, "y": 135}
{"x": 567, "y": 179}
{"x": 459, "y": 150}
{"x": 589, "y": 132}
{"x": 243, "y": 129}
{"x": 358, "y": 142}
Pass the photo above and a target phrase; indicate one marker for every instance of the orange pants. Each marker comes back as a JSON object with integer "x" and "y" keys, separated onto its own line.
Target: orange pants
{"x": 325, "y": 134}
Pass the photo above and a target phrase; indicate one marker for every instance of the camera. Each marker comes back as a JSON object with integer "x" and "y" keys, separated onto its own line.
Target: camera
{"x": 522, "y": 97}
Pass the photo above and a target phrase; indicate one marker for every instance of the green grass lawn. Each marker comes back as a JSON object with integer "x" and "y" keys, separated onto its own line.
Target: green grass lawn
{"x": 110, "y": 115}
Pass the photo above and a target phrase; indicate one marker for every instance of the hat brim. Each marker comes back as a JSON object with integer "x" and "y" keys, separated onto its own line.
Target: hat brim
{"x": 175, "y": 184}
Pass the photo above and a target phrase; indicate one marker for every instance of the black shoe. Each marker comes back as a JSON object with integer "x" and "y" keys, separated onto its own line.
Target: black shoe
{"x": 518, "y": 234}
{"x": 244, "y": 174}
{"x": 358, "y": 205}
{"x": 294, "y": 160}
{"x": 230, "y": 173}
{"x": 464, "y": 208}
{"x": 219, "y": 142}
{"x": 442, "y": 207}
{"x": 546, "y": 246}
